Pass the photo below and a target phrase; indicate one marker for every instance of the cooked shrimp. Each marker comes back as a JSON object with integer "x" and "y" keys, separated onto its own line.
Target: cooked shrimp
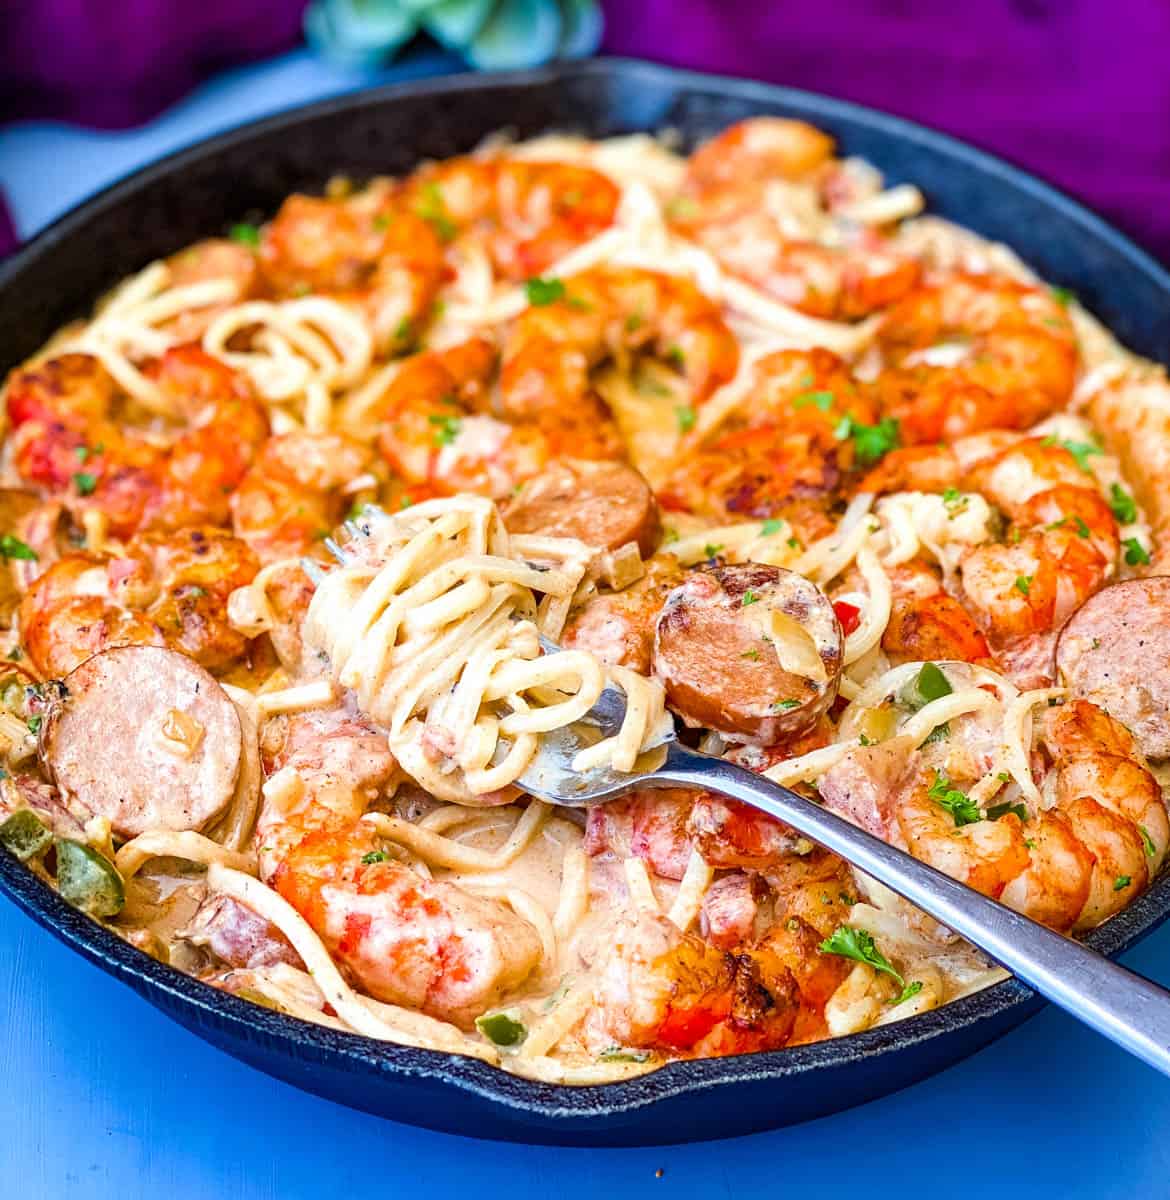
{"x": 975, "y": 352}
{"x": 293, "y": 494}
{"x": 164, "y": 589}
{"x": 666, "y": 989}
{"x": 1061, "y": 548}
{"x": 406, "y": 939}
{"x": 753, "y": 197}
{"x": 72, "y": 438}
{"x": 365, "y": 249}
{"x": 926, "y": 623}
{"x": 440, "y": 434}
{"x": 528, "y": 214}
{"x": 612, "y": 313}
{"x": 781, "y": 456}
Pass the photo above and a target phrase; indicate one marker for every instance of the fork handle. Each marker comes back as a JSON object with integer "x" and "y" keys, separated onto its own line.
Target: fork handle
{"x": 1125, "y": 1007}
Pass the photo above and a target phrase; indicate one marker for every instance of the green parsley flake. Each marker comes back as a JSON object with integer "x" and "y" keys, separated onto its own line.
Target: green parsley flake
{"x": 929, "y": 684}
{"x": 245, "y": 234}
{"x": 1135, "y": 552}
{"x": 541, "y": 292}
{"x": 870, "y": 442}
{"x": 1023, "y": 584}
{"x": 375, "y": 856}
{"x": 676, "y": 357}
{"x": 1082, "y": 528}
{"x": 1079, "y": 450}
{"x": 1148, "y": 842}
{"x": 432, "y": 210}
{"x": 12, "y": 547}
{"x": 954, "y": 502}
{"x": 34, "y": 725}
{"x": 1063, "y": 296}
{"x": 686, "y": 418}
{"x": 448, "y": 430}
{"x": 85, "y": 483}
{"x": 962, "y": 808}
{"x": 859, "y": 945}
{"x": 820, "y": 400}
{"x": 711, "y": 549}
{"x": 752, "y": 654}
{"x": 749, "y": 597}
{"x": 1121, "y": 883}
{"x": 785, "y": 705}
{"x": 770, "y": 526}
{"x": 1121, "y": 502}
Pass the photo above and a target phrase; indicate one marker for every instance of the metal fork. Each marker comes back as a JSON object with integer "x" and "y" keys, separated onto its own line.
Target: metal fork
{"x": 1125, "y": 1007}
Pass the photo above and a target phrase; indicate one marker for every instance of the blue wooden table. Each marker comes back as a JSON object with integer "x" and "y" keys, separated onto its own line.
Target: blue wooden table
{"x": 103, "y": 1098}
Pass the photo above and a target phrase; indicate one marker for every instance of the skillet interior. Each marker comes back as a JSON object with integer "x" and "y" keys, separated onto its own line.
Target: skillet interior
{"x": 246, "y": 173}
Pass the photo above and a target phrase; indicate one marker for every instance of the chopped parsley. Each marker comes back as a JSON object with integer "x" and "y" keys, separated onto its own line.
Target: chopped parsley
{"x": 752, "y": 654}
{"x": 676, "y": 357}
{"x": 770, "y": 526}
{"x": 1147, "y": 842}
{"x": 870, "y": 442}
{"x": 34, "y": 725}
{"x": 1063, "y": 296}
{"x": 711, "y": 549}
{"x": 794, "y": 542}
{"x": 819, "y": 400}
{"x": 686, "y": 418}
{"x": 749, "y": 597}
{"x": 1079, "y": 450}
{"x": 85, "y": 482}
{"x": 785, "y": 705}
{"x": 375, "y": 856}
{"x": 543, "y": 291}
{"x": 1122, "y": 882}
{"x": 962, "y": 808}
{"x": 1082, "y": 528}
{"x": 245, "y": 234}
{"x": 859, "y": 945}
{"x": 1135, "y": 552}
{"x": 12, "y": 547}
{"x": 939, "y": 733}
{"x": 1121, "y": 502}
{"x": 1023, "y": 584}
{"x": 432, "y": 210}
{"x": 448, "y": 428}
{"x": 954, "y": 502}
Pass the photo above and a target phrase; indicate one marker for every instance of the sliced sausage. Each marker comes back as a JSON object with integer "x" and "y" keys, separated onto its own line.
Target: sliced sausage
{"x": 752, "y": 651}
{"x": 145, "y": 737}
{"x": 619, "y": 626}
{"x": 605, "y": 504}
{"x": 1115, "y": 651}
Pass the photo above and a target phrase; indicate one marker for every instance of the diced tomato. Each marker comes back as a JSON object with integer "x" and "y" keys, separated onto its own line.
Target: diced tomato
{"x": 848, "y": 614}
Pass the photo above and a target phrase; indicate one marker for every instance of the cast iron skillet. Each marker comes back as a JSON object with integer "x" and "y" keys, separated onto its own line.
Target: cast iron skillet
{"x": 246, "y": 173}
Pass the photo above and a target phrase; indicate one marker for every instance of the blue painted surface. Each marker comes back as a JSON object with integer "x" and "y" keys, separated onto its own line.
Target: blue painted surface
{"x": 102, "y": 1097}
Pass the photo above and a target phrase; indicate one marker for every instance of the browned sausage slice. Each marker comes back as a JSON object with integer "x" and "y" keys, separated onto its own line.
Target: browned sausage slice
{"x": 1115, "y": 651}
{"x": 752, "y": 651}
{"x": 145, "y": 737}
{"x": 605, "y": 504}
{"x": 619, "y": 626}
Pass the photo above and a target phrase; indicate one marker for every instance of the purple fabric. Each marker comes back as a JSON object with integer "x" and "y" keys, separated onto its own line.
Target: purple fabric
{"x": 1078, "y": 91}
{"x": 113, "y": 63}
